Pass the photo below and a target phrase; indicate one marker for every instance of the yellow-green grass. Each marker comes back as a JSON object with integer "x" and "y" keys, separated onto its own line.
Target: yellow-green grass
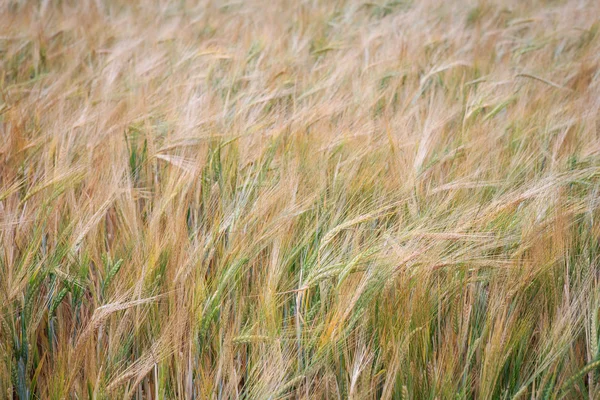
{"x": 299, "y": 199}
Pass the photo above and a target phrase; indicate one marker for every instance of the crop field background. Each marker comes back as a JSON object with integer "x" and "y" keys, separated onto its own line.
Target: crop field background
{"x": 311, "y": 199}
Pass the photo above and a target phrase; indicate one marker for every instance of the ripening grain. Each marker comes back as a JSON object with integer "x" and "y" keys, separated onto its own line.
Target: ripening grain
{"x": 312, "y": 199}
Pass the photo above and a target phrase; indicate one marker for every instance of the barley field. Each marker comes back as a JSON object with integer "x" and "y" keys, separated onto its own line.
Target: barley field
{"x": 310, "y": 199}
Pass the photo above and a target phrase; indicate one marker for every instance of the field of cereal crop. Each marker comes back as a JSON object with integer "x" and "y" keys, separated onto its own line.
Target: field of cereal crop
{"x": 311, "y": 199}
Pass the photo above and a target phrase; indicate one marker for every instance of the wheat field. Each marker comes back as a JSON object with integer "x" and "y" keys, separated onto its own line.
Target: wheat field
{"x": 311, "y": 199}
